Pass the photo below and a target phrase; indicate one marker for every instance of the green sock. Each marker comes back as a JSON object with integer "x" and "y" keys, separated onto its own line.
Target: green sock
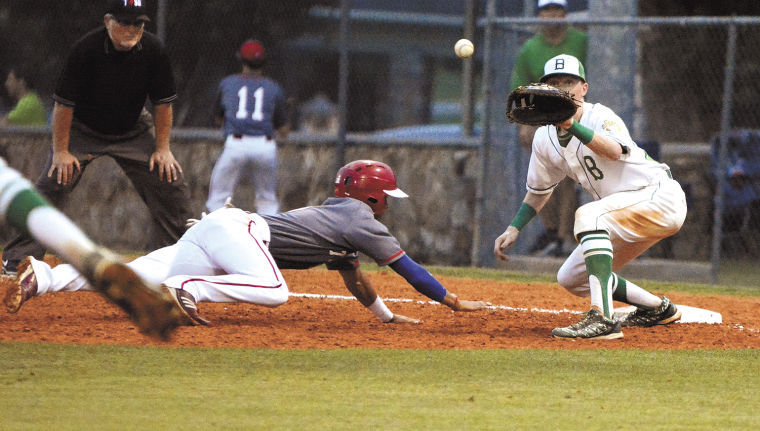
{"x": 620, "y": 287}
{"x": 597, "y": 253}
{"x": 20, "y": 207}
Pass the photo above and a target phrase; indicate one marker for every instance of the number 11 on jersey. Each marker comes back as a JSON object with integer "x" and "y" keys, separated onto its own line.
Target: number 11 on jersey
{"x": 258, "y": 101}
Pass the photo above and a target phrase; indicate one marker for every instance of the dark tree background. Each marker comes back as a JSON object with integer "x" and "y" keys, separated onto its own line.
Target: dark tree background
{"x": 201, "y": 36}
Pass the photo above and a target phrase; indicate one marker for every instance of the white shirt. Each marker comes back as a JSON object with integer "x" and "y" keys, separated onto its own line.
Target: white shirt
{"x": 550, "y": 162}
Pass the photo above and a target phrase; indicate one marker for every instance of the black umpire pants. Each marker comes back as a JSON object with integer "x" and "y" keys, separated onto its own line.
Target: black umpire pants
{"x": 168, "y": 203}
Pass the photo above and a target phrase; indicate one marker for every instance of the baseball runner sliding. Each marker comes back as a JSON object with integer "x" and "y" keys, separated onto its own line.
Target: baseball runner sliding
{"x": 234, "y": 256}
{"x": 637, "y": 203}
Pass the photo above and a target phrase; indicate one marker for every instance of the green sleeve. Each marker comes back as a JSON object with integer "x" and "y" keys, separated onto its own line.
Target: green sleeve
{"x": 521, "y": 72}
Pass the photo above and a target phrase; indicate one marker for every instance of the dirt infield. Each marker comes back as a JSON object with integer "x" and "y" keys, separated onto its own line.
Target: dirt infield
{"x": 319, "y": 323}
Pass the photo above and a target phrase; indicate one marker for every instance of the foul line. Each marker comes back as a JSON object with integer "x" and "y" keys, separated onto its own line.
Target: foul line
{"x": 489, "y": 306}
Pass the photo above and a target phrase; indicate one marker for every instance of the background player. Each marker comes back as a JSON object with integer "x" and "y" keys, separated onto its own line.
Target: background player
{"x": 26, "y": 210}
{"x": 332, "y": 233}
{"x": 252, "y": 108}
{"x": 637, "y": 204}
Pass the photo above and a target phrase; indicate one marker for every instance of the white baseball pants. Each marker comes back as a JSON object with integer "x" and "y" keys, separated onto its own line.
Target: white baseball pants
{"x": 635, "y": 221}
{"x": 223, "y": 258}
{"x": 251, "y": 157}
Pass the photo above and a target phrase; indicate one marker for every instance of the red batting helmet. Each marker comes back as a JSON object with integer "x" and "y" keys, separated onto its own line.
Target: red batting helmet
{"x": 252, "y": 53}
{"x": 368, "y": 181}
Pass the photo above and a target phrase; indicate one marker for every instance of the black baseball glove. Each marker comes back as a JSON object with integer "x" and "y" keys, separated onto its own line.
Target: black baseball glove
{"x": 539, "y": 105}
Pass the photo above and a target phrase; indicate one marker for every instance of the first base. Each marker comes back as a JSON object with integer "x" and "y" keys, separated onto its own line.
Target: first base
{"x": 688, "y": 314}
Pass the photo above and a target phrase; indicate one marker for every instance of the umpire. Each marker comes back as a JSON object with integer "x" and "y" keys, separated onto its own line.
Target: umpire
{"x": 100, "y": 110}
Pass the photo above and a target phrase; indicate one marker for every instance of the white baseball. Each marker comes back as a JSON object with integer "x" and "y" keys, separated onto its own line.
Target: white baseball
{"x": 464, "y": 48}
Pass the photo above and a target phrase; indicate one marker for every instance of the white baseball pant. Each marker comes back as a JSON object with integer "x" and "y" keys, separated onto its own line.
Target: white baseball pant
{"x": 635, "y": 221}
{"x": 251, "y": 157}
{"x": 223, "y": 258}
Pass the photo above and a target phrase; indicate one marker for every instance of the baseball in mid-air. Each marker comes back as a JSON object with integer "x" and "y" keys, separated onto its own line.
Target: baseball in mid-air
{"x": 464, "y": 48}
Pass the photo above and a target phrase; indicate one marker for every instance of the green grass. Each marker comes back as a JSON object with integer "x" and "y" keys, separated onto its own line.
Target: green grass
{"x": 74, "y": 387}
{"x": 46, "y": 386}
{"x": 735, "y": 272}
{"x": 733, "y": 289}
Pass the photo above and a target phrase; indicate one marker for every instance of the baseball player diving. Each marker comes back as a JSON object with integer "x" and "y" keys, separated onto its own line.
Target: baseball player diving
{"x": 637, "y": 203}
{"x": 231, "y": 255}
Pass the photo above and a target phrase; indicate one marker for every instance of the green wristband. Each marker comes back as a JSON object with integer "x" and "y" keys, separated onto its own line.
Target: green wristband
{"x": 523, "y": 216}
{"x": 583, "y": 133}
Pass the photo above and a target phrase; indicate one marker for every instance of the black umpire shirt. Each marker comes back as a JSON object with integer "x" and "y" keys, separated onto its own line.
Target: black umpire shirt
{"x": 108, "y": 88}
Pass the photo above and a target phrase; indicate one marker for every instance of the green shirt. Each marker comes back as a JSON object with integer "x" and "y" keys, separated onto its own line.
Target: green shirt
{"x": 28, "y": 112}
{"x": 534, "y": 54}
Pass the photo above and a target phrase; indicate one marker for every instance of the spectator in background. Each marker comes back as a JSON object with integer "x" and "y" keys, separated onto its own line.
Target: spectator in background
{"x": 100, "y": 111}
{"x": 552, "y": 40}
{"x": 253, "y": 110}
{"x": 29, "y": 110}
{"x": 741, "y": 192}
{"x": 319, "y": 115}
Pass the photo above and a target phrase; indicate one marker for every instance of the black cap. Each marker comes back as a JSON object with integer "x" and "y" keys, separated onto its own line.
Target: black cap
{"x": 129, "y": 10}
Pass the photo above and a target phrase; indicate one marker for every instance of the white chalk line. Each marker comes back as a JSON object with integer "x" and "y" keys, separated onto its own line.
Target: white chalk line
{"x": 490, "y": 306}
{"x": 405, "y": 300}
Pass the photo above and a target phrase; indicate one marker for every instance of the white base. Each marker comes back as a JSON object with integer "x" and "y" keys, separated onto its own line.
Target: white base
{"x": 688, "y": 314}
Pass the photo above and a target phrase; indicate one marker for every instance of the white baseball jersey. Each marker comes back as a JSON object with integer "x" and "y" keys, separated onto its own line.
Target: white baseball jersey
{"x": 550, "y": 162}
{"x": 636, "y": 200}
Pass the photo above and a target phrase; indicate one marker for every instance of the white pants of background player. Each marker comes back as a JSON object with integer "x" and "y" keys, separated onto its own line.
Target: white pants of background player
{"x": 635, "y": 221}
{"x": 251, "y": 157}
{"x": 223, "y": 258}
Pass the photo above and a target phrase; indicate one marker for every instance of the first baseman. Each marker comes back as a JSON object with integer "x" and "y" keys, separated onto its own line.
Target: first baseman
{"x": 332, "y": 234}
{"x": 637, "y": 203}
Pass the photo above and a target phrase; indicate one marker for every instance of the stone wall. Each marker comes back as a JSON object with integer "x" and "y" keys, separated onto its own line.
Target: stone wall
{"x": 434, "y": 225}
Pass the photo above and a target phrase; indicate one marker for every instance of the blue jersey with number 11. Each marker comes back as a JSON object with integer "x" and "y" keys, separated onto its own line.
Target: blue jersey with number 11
{"x": 251, "y": 105}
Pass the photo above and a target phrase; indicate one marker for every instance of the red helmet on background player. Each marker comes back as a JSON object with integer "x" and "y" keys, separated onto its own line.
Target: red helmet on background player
{"x": 368, "y": 181}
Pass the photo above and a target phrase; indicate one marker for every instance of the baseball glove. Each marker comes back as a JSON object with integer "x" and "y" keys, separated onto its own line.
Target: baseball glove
{"x": 539, "y": 105}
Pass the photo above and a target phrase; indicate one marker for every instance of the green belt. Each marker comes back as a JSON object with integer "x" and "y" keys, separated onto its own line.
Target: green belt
{"x": 667, "y": 171}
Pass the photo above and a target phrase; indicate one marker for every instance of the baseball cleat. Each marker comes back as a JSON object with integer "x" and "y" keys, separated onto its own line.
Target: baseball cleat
{"x": 185, "y": 301}
{"x": 152, "y": 309}
{"x": 23, "y": 289}
{"x": 666, "y": 313}
{"x": 593, "y": 325}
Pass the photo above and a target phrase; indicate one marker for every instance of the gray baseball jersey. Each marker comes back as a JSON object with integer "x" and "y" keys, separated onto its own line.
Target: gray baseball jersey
{"x": 332, "y": 234}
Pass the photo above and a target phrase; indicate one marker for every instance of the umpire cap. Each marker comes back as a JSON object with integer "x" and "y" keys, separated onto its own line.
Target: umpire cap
{"x": 128, "y": 10}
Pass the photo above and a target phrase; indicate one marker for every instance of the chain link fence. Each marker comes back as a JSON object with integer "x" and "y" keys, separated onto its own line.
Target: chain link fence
{"x": 686, "y": 88}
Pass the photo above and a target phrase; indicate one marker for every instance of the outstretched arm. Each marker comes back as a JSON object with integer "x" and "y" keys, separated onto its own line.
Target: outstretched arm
{"x": 360, "y": 286}
{"x": 531, "y": 205}
{"x": 426, "y": 284}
